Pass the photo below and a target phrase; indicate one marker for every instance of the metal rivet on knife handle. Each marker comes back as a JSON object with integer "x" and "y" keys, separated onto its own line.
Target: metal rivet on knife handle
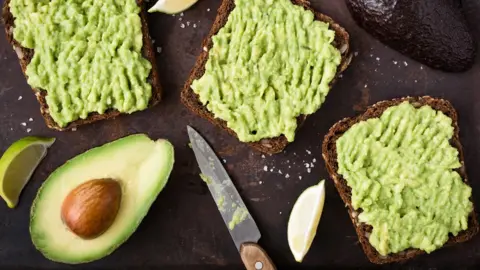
{"x": 255, "y": 258}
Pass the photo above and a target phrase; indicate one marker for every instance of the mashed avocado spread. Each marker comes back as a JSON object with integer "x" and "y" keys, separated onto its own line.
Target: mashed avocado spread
{"x": 270, "y": 63}
{"x": 88, "y": 55}
{"x": 401, "y": 169}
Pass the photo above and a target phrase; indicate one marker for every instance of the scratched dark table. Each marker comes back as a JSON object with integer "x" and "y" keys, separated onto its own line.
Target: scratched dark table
{"x": 183, "y": 229}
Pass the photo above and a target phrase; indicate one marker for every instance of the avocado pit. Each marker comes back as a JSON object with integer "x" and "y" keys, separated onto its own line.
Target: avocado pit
{"x": 90, "y": 209}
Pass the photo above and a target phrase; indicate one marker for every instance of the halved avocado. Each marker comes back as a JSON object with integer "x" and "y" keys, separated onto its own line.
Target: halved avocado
{"x": 139, "y": 165}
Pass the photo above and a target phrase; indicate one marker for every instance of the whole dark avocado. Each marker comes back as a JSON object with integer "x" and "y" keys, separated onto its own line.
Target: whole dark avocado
{"x": 433, "y": 32}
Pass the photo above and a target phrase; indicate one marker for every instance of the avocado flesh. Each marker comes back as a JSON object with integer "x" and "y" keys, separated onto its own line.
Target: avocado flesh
{"x": 433, "y": 32}
{"x": 141, "y": 166}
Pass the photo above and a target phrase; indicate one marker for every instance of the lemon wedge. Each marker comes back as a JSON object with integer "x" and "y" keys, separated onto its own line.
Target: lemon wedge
{"x": 172, "y": 6}
{"x": 304, "y": 219}
{"x": 18, "y": 164}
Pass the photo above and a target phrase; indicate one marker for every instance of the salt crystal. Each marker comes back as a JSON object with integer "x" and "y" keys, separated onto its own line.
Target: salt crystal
{"x": 205, "y": 49}
{"x": 405, "y": 63}
{"x": 224, "y": 161}
{"x": 159, "y": 49}
{"x": 314, "y": 160}
{"x": 280, "y": 171}
{"x": 309, "y": 170}
{"x": 188, "y": 23}
{"x": 395, "y": 62}
{"x": 355, "y": 53}
{"x": 300, "y": 177}
{"x": 378, "y": 58}
{"x": 74, "y": 129}
{"x": 265, "y": 168}
{"x": 28, "y": 130}
{"x": 307, "y": 165}
{"x": 181, "y": 14}
{"x": 182, "y": 25}
{"x": 263, "y": 156}
{"x": 308, "y": 152}
{"x": 194, "y": 25}
{"x": 208, "y": 10}
{"x": 366, "y": 86}
{"x": 20, "y": 98}
{"x": 260, "y": 182}
{"x": 24, "y": 124}
{"x": 287, "y": 176}
{"x": 30, "y": 119}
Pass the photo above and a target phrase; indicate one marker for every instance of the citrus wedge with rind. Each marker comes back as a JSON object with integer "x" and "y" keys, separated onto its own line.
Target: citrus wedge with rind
{"x": 18, "y": 164}
{"x": 304, "y": 220}
{"x": 172, "y": 6}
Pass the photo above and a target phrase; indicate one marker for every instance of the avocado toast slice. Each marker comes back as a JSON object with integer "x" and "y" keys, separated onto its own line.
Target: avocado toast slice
{"x": 192, "y": 99}
{"x": 364, "y": 231}
{"x": 26, "y": 55}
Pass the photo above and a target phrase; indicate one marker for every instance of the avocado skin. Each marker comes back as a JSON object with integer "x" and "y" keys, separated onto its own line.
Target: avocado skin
{"x": 433, "y": 32}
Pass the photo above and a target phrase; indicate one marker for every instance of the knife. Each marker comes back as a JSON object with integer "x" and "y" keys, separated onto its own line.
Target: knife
{"x": 240, "y": 224}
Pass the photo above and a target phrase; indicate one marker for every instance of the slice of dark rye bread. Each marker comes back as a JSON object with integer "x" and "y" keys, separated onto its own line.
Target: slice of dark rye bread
{"x": 329, "y": 154}
{"x": 190, "y": 98}
{"x": 25, "y": 55}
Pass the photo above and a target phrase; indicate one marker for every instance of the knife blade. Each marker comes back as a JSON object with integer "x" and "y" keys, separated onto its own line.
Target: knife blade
{"x": 237, "y": 218}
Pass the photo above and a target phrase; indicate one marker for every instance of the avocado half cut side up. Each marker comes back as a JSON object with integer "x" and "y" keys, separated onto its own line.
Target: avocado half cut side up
{"x": 94, "y": 202}
{"x": 433, "y": 32}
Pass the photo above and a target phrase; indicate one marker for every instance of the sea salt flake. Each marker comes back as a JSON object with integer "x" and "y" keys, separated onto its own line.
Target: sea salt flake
{"x": 265, "y": 168}
{"x": 20, "y": 98}
{"x": 24, "y": 124}
{"x": 28, "y": 130}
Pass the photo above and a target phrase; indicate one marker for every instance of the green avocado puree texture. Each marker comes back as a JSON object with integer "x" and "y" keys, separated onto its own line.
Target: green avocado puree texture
{"x": 269, "y": 64}
{"x": 87, "y": 55}
{"x": 401, "y": 169}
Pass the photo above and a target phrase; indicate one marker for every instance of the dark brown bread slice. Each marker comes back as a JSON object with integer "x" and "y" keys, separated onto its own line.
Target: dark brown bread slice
{"x": 190, "y": 99}
{"x": 329, "y": 154}
{"x": 25, "y": 56}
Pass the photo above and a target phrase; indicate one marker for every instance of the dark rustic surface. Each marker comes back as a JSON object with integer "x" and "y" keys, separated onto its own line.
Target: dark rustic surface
{"x": 183, "y": 229}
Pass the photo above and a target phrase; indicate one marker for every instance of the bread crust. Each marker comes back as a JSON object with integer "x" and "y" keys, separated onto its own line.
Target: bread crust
{"x": 329, "y": 153}
{"x": 191, "y": 100}
{"x": 25, "y": 56}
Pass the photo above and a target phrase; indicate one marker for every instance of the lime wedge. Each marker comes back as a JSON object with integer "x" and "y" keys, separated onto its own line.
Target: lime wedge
{"x": 18, "y": 164}
{"x": 304, "y": 219}
{"x": 172, "y": 6}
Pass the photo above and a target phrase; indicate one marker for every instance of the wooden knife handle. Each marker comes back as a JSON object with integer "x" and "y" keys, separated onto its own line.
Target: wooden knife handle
{"x": 255, "y": 258}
